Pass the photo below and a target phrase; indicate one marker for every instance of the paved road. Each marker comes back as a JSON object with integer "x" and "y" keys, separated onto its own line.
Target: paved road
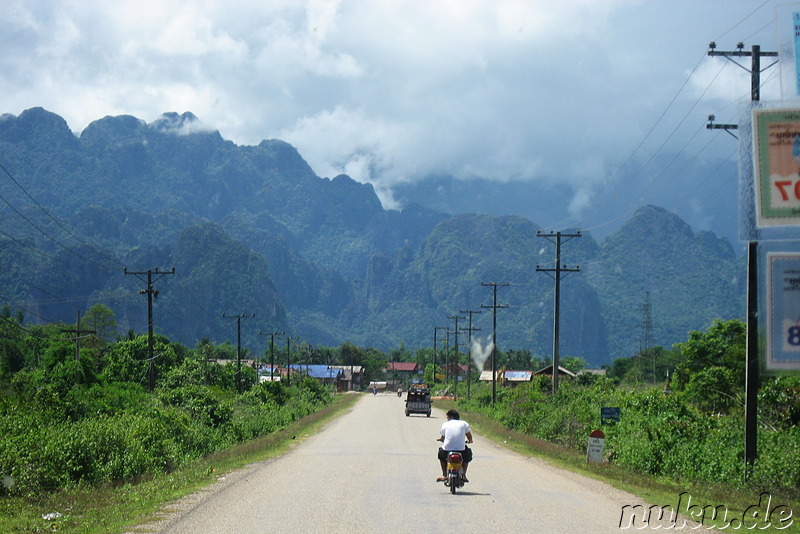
{"x": 373, "y": 470}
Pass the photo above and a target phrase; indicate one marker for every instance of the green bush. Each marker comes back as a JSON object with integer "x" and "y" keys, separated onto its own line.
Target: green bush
{"x": 199, "y": 403}
{"x": 666, "y": 436}
{"x": 117, "y": 432}
{"x": 713, "y": 389}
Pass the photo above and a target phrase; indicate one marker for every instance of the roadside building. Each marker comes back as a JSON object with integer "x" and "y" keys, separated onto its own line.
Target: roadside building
{"x": 325, "y": 374}
{"x": 401, "y": 373}
{"x": 548, "y": 371}
{"x": 507, "y": 378}
{"x": 353, "y": 377}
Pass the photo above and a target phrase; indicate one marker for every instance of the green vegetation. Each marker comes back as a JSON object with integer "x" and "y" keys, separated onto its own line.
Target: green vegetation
{"x": 686, "y": 436}
{"x": 84, "y": 427}
{"x": 81, "y": 424}
{"x": 112, "y": 508}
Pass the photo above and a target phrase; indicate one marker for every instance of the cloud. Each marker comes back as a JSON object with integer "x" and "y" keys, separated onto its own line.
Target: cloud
{"x": 392, "y": 91}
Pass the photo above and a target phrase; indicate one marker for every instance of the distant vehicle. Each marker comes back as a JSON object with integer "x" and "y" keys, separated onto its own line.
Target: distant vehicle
{"x": 418, "y": 383}
{"x": 418, "y": 400}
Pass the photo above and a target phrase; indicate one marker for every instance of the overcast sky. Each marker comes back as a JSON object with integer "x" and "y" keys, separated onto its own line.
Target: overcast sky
{"x": 565, "y": 91}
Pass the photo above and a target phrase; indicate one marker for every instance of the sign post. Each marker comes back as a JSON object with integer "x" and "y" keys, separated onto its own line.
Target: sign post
{"x": 594, "y": 452}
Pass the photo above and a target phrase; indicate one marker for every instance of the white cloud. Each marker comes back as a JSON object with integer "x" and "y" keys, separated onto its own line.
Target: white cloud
{"x": 391, "y": 91}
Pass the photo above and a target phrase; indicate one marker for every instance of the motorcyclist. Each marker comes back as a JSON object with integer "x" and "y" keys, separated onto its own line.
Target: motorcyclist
{"x": 455, "y": 435}
{"x": 400, "y": 392}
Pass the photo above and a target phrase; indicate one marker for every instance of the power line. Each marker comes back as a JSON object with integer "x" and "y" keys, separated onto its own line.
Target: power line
{"x": 59, "y": 223}
{"x": 650, "y": 132}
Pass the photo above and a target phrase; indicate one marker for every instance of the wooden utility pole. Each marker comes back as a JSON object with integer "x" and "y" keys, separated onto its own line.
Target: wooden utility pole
{"x": 239, "y": 346}
{"x": 455, "y": 342}
{"x": 556, "y": 274}
{"x": 272, "y": 336}
{"x": 469, "y": 331}
{"x": 151, "y": 294}
{"x": 289, "y": 361}
{"x": 494, "y": 306}
{"x": 435, "y": 331}
{"x": 78, "y": 334}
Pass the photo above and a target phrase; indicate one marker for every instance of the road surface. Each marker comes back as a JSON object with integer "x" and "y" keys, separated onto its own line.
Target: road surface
{"x": 374, "y": 469}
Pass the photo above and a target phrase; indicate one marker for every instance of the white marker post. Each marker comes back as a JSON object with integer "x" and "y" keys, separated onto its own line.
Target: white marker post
{"x": 594, "y": 452}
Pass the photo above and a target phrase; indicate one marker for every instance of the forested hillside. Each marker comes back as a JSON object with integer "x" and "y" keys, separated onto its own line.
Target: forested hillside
{"x": 252, "y": 230}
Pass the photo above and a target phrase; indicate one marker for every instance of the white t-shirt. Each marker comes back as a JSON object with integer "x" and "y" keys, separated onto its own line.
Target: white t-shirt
{"x": 455, "y": 435}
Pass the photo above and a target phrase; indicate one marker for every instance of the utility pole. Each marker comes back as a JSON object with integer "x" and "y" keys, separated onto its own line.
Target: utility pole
{"x": 435, "y": 330}
{"x": 78, "y": 333}
{"x": 455, "y": 330}
{"x": 556, "y": 273}
{"x": 494, "y": 307}
{"x": 151, "y": 294}
{"x": 646, "y": 341}
{"x": 239, "y": 346}
{"x": 272, "y": 336}
{"x": 751, "y": 375}
{"x": 469, "y": 331}
{"x": 446, "y": 357}
{"x": 289, "y": 360}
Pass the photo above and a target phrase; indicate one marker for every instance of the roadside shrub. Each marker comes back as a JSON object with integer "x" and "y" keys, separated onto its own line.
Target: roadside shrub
{"x": 779, "y": 402}
{"x": 713, "y": 390}
{"x": 314, "y": 392}
{"x": 274, "y": 392}
{"x": 199, "y": 403}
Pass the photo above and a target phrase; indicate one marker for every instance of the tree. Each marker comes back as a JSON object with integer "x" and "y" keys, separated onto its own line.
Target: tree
{"x": 127, "y": 360}
{"x": 573, "y": 363}
{"x": 424, "y": 356}
{"x": 429, "y": 373}
{"x": 349, "y": 354}
{"x": 713, "y": 390}
{"x": 519, "y": 360}
{"x": 374, "y": 365}
{"x": 723, "y": 345}
{"x": 101, "y": 319}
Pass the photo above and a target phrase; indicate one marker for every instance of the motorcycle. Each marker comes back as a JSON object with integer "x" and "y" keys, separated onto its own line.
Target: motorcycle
{"x": 455, "y": 471}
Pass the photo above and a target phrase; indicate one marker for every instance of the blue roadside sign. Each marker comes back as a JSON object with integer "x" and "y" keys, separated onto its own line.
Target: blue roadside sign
{"x": 609, "y": 415}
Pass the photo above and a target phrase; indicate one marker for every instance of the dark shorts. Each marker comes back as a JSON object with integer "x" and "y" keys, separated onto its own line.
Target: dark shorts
{"x": 466, "y": 453}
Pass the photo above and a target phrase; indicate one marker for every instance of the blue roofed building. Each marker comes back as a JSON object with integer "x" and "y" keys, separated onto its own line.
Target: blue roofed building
{"x": 324, "y": 373}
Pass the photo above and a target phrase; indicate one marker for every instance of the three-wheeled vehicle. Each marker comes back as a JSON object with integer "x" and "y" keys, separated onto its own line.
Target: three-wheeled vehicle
{"x": 418, "y": 400}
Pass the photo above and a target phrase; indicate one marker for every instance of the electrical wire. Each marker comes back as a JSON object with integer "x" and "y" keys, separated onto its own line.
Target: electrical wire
{"x": 637, "y": 149}
{"x": 105, "y": 255}
{"x": 757, "y": 9}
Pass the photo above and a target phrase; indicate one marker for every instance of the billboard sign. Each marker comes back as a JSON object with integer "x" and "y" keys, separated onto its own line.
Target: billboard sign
{"x": 783, "y": 312}
{"x": 776, "y": 135}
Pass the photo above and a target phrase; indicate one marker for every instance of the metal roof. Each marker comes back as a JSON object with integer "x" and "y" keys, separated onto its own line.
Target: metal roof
{"x": 318, "y": 371}
{"x": 516, "y": 376}
{"x": 402, "y": 366}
